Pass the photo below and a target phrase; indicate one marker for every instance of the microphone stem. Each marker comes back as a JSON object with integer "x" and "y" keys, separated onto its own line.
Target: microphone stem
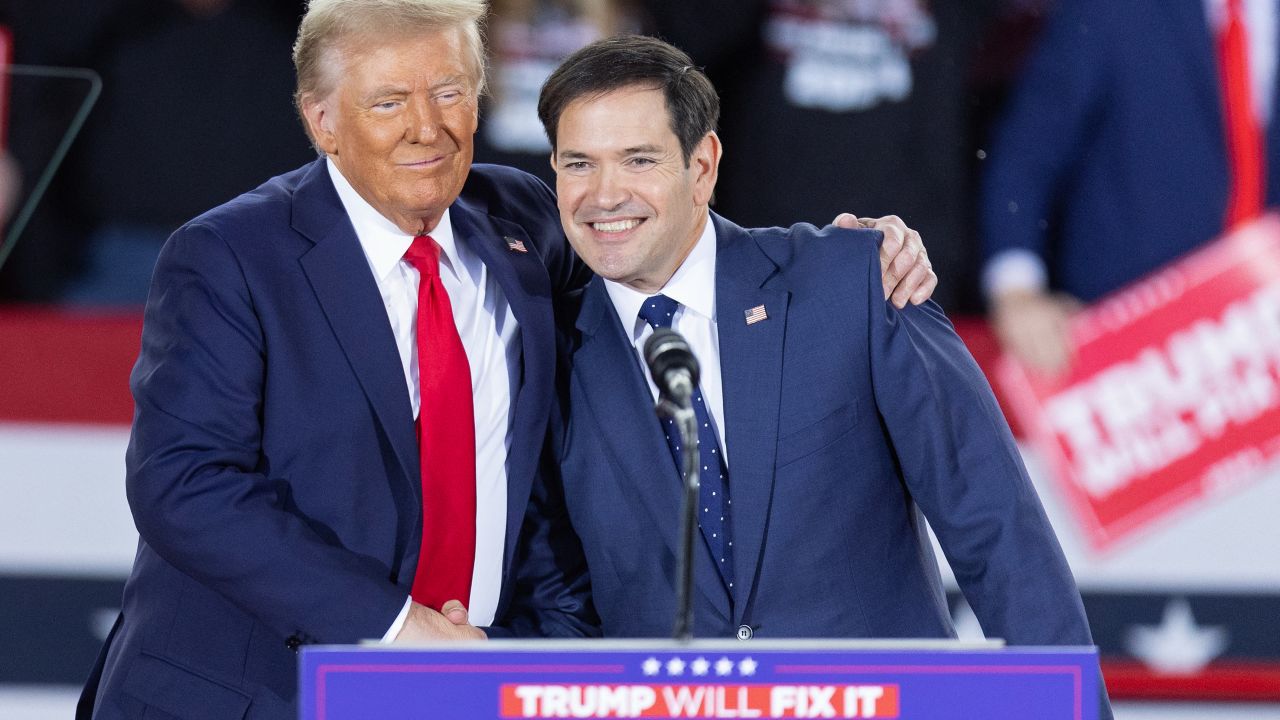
{"x": 687, "y": 422}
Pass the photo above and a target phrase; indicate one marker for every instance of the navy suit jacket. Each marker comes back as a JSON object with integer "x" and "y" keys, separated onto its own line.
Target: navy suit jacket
{"x": 847, "y": 422}
{"x": 273, "y": 467}
{"x": 1111, "y": 159}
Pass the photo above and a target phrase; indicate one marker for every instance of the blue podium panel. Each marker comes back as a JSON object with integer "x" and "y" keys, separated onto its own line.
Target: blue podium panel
{"x": 702, "y": 679}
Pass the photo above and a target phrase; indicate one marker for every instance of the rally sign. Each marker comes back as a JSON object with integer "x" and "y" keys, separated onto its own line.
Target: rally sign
{"x": 939, "y": 680}
{"x": 1173, "y": 395}
{"x": 700, "y": 701}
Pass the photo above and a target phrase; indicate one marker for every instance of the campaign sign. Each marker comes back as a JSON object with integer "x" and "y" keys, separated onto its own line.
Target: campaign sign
{"x": 1174, "y": 391}
{"x": 712, "y": 679}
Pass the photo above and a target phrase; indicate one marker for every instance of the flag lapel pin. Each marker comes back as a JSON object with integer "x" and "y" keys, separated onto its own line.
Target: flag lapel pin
{"x": 756, "y": 314}
{"x": 515, "y": 245}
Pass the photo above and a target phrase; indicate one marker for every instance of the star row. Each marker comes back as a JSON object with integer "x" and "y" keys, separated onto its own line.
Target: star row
{"x": 700, "y": 666}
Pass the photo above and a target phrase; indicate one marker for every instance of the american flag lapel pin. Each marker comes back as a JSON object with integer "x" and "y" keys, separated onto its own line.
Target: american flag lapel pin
{"x": 756, "y": 314}
{"x": 515, "y": 245}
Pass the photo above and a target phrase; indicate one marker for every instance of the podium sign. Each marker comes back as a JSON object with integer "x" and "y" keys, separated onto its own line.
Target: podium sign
{"x": 1174, "y": 390}
{"x": 704, "y": 679}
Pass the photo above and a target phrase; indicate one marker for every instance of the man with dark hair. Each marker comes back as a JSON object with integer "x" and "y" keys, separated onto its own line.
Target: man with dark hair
{"x": 693, "y": 107}
{"x": 344, "y": 384}
{"x": 830, "y": 423}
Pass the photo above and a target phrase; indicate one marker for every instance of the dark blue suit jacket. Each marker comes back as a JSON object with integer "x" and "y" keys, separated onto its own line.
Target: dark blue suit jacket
{"x": 1110, "y": 161}
{"x": 847, "y": 422}
{"x": 273, "y": 467}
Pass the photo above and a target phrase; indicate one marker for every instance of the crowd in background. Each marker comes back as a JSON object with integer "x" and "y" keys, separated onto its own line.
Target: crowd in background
{"x": 874, "y": 106}
{"x": 988, "y": 125}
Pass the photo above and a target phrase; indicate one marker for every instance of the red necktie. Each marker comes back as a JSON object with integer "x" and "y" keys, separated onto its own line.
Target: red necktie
{"x": 446, "y": 441}
{"x": 1245, "y": 159}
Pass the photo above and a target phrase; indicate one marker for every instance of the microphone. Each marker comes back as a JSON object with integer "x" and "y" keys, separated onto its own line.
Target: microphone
{"x": 672, "y": 365}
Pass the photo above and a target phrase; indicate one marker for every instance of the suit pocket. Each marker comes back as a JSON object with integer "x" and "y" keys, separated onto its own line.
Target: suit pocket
{"x": 181, "y": 692}
{"x": 798, "y": 444}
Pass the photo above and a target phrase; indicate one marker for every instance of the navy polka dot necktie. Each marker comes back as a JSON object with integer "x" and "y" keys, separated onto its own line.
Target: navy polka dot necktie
{"x": 713, "y": 513}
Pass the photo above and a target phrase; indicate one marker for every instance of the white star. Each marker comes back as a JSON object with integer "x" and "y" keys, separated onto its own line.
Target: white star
{"x": 1177, "y": 646}
{"x": 652, "y": 666}
{"x": 747, "y": 666}
{"x": 675, "y": 666}
{"x": 700, "y": 666}
{"x": 724, "y": 666}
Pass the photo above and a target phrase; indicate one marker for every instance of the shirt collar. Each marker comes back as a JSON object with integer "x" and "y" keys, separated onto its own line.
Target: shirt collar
{"x": 383, "y": 243}
{"x": 693, "y": 285}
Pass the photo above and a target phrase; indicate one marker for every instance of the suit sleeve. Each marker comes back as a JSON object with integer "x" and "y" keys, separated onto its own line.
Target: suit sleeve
{"x": 199, "y": 486}
{"x": 963, "y": 470}
{"x": 1056, "y": 105}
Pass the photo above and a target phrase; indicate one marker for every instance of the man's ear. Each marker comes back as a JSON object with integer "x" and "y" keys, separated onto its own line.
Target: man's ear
{"x": 319, "y": 119}
{"x": 705, "y": 163}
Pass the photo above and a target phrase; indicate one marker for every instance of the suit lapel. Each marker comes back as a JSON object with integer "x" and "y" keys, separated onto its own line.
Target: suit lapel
{"x": 751, "y": 371}
{"x": 349, "y": 298}
{"x": 615, "y": 387}
{"x": 524, "y": 283}
{"x": 348, "y": 295}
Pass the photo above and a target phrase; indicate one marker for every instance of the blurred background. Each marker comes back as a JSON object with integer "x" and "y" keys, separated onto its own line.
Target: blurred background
{"x": 1053, "y": 154}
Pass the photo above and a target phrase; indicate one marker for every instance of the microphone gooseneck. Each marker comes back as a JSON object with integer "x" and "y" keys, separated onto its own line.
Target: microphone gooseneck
{"x": 675, "y": 372}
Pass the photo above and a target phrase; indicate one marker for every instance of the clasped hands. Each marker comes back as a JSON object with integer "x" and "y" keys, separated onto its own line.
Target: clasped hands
{"x": 423, "y": 624}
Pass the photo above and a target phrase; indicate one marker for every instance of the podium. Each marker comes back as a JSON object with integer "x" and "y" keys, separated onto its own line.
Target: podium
{"x": 934, "y": 680}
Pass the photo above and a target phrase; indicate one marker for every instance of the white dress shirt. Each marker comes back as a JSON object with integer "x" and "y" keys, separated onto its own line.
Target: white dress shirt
{"x": 693, "y": 286}
{"x": 1022, "y": 269}
{"x": 491, "y": 340}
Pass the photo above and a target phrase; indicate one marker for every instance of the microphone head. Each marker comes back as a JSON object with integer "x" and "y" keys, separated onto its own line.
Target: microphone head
{"x": 667, "y": 350}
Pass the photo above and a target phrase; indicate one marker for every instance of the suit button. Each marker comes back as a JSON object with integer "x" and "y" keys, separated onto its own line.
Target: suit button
{"x": 293, "y": 643}
{"x": 745, "y": 632}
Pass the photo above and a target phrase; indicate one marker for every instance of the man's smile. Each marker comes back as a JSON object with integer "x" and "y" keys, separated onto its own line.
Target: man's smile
{"x": 615, "y": 226}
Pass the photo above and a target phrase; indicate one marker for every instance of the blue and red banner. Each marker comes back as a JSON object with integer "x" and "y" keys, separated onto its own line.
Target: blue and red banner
{"x": 541, "y": 679}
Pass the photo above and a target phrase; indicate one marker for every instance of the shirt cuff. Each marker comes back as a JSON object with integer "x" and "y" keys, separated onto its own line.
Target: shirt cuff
{"x": 398, "y": 625}
{"x": 1014, "y": 270}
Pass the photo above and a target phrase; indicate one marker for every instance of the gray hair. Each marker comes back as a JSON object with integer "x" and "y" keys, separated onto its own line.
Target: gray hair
{"x": 327, "y": 23}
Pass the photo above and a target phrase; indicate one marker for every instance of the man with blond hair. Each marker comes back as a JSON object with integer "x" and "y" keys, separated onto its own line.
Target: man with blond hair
{"x": 344, "y": 384}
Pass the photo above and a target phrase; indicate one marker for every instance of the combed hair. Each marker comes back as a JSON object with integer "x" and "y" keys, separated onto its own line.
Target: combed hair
{"x": 328, "y": 23}
{"x": 628, "y": 61}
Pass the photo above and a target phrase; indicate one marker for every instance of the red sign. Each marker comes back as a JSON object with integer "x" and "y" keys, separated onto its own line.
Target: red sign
{"x": 1174, "y": 391}
{"x": 700, "y": 701}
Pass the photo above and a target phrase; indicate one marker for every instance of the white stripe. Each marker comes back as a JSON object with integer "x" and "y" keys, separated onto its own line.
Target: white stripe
{"x": 64, "y": 509}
